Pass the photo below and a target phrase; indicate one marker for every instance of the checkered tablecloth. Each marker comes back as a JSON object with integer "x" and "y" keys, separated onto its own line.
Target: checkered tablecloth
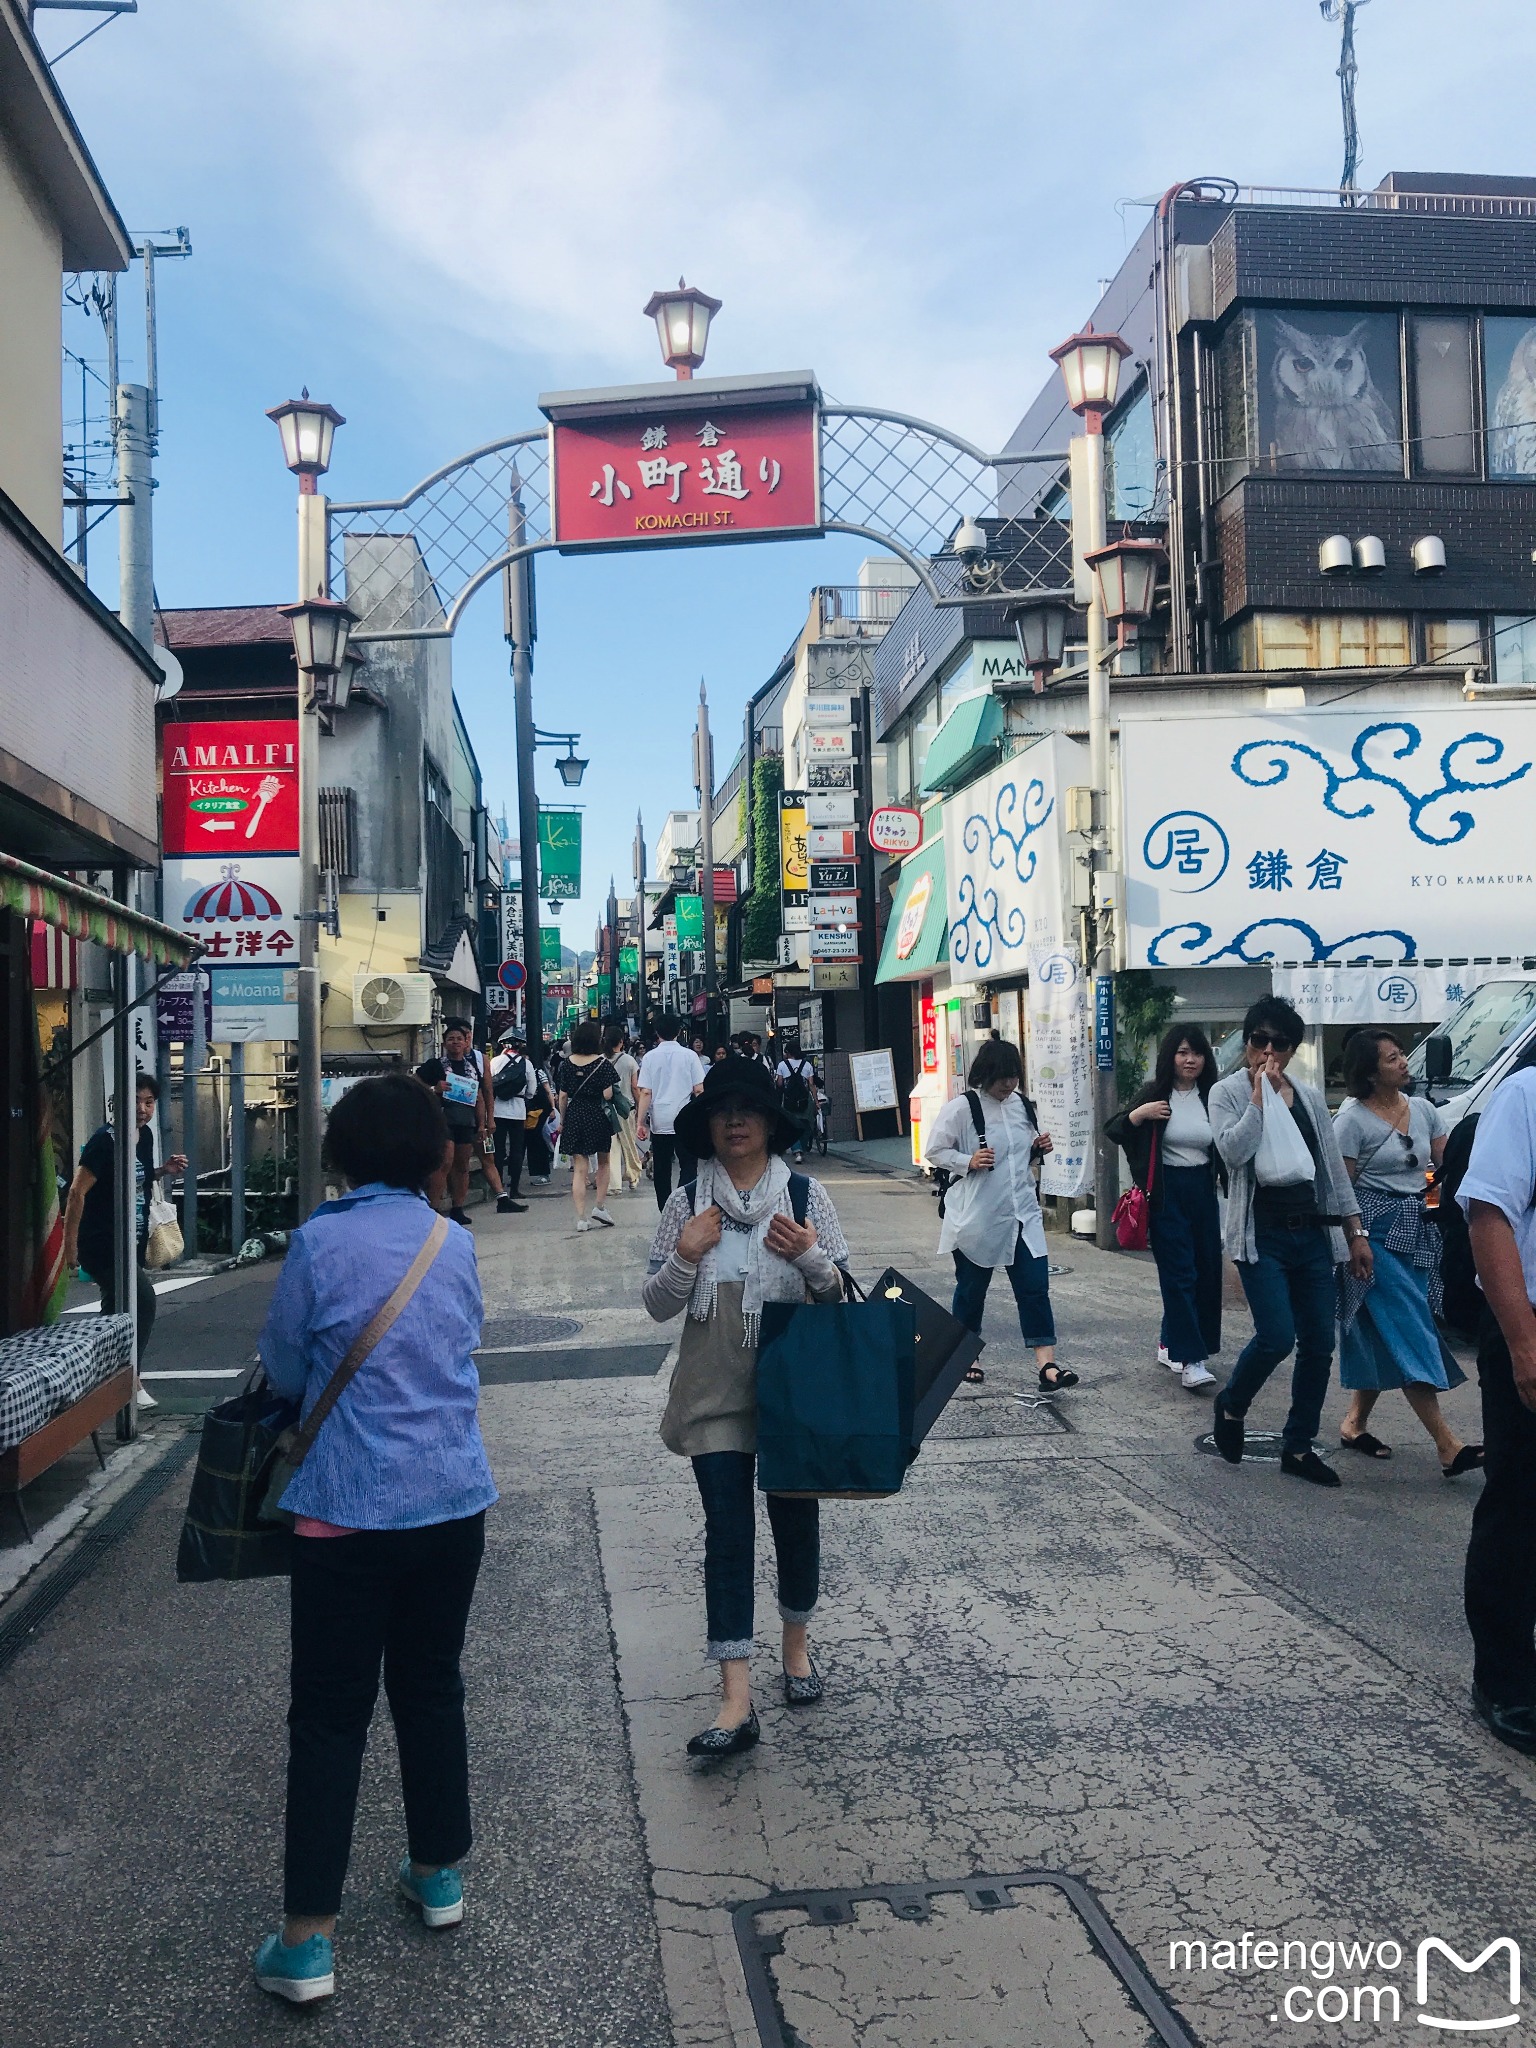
{"x": 43, "y": 1371}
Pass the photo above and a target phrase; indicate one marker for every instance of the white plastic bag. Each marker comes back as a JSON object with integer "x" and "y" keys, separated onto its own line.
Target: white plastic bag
{"x": 1283, "y": 1158}
{"x": 164, "y": 1245}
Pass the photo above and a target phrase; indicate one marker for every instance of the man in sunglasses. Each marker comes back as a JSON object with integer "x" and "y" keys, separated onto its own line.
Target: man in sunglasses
{"x": 1287, "y": 1229}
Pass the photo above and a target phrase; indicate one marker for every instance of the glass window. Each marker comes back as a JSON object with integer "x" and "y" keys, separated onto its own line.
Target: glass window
{"x": 1130, "y": 460}
{"x": 1514, "y": 651}
{"x": 925, "y": 723}
{"x": 1328, "y": 394}
{"x": 1509, "y": 373}
{"x": 1444, "y": 441}
{"x": 1237, "y": 430}
{"x": 1454, "y": 642}
{"x": 1292, "y": 640}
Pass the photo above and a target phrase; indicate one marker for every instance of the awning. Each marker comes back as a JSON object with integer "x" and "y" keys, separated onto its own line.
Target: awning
{"x": 915, "y": 939}
{"x": 964, "y": 744}
{"x": 86, "y": 914}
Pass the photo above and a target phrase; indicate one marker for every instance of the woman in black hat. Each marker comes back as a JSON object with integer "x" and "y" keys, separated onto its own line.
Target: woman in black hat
{"x": 744, "y": 1232}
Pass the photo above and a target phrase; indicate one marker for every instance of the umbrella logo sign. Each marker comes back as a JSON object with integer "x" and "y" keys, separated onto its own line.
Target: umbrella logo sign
{"x": 229, "y": 900}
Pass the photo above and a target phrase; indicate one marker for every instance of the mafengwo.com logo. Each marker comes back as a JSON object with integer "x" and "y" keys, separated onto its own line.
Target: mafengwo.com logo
{"x": 1355, "y": 1984}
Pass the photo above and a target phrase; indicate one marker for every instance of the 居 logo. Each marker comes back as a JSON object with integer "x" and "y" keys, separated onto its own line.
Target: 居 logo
{"x": 1435, "y": 1946}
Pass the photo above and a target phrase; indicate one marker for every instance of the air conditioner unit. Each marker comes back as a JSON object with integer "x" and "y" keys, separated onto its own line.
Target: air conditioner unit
{"x": 391, "y": 1002}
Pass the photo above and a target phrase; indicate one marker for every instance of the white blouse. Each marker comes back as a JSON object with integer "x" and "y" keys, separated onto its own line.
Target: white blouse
{"x": 985, "y": 1211}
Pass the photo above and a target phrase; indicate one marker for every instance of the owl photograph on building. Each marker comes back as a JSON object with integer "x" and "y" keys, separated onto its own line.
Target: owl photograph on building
{"x": 1328, "y": 410}
{"x": 1512, "y": 414}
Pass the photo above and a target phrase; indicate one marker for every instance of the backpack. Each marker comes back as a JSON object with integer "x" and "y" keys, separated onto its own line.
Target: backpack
{"x": 797, "y": 1091}
{"x": 512, "y": 1081}
{"x": 942, "y": 1174}
{"x": 799, "y": 1196}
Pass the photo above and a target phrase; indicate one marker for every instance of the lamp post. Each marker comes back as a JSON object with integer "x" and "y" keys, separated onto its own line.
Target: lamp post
{"x": 682, "y": 326}
{"x": 1040, "y": 627}
{"x": 320, "y": 628}
{"x": 1090, "y": 369}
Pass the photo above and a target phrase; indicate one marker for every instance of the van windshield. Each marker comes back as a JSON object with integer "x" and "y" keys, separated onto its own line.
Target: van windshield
{"x": 1486, "y": 1022}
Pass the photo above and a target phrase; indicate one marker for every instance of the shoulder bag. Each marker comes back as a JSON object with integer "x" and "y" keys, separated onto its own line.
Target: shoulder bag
{"x": 252, "y": 1446}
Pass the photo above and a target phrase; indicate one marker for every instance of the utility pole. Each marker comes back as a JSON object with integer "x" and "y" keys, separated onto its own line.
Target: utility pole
{"x": 704, "y": 783}
{"x": 1343, "y": 12}
{"x": 520, "y": 624}
{"x": 639, "y": 868}
{"x": 612, "y": 913}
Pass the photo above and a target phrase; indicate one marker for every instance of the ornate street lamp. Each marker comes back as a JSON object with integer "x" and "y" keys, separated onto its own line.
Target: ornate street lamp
{"x": 1040, "y": 627}
{"x": 682, "y": 872}
{"x": 321, "y": 626}
{"x": 1090, "y": 369}
{"x": 572, "y": 767}
{"x": 682, "y": 324}
{"x": 307, "y": 429}
{"x": 1125, "y": 581}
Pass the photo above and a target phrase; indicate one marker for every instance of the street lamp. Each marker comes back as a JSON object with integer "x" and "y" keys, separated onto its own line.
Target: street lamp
{"x": 572, "y": 768}
{"x": 1040, "y": 627}
{"x": 682, "y": 324}
{"x": 307, "y": 429}
{"x": 1125, "y": 583}
{"x": 321, "y": 626}
{"x": 1090, "y": 369}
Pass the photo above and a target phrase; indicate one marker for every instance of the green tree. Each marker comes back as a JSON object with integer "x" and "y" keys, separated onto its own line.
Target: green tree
{"x": 1143, "y": 1008}
{"x": 761, "y": 923}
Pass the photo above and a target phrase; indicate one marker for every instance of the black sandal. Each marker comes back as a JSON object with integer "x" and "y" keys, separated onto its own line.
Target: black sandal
{"x": 974, "y": 1375}
{"x": 1369, "y": 1446}
{"x": 1063, "y": 1376}
{"x": 1468, "y": 1459}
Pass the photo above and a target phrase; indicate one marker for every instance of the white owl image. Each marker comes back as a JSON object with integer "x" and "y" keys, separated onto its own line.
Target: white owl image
{"x": 1328, "y": 412}
{"x": 1512, "y": 444}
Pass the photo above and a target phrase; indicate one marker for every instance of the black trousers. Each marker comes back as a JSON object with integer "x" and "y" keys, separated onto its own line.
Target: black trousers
{"x": 399, "y": 1597}
{"x": 665, "y": 1147}
{"x": 511, "y": 1150}
{"x": 1500, "y": 1584}
{"x": 109, "y": 1305}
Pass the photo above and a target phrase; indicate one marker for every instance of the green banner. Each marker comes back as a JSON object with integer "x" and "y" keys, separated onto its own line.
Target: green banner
{"x": 549, "y": 945}
{"x": 689, "y": 912}
{"x": 559, "y": 854}
{"x": 629, "y": 962}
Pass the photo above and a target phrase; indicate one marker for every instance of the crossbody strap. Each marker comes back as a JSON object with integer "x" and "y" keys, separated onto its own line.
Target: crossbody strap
{"x": 361, "y": 1345}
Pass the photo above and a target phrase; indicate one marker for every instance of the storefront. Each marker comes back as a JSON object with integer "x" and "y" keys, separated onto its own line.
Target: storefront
{"x": 915, "y": 954}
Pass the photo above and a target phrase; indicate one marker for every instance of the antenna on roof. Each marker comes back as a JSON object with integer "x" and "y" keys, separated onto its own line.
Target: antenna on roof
{"x": 1344, "y": 12}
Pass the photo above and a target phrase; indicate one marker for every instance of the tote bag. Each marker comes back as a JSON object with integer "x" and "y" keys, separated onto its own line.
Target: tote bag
{"x": 1282, "y": 1159}
{"x": 835, "y": 1397}
{"x": 945, "y": 1352}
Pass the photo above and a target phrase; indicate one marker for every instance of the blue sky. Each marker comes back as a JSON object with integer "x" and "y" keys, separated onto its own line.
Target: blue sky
{"x": 428, "y": 213}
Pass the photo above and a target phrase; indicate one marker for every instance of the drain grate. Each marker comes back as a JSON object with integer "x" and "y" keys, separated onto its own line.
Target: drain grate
{"x": 1263, "y": 1446}
{"x": 990, "y": 1961}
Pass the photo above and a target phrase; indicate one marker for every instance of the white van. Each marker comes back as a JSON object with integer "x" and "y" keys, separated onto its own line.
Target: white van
{"x": 1464, "y": 1059}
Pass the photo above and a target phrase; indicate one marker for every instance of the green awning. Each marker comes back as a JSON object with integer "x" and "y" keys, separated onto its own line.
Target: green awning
{"x": 916, "y": 937}
{"x": 965, "y": 744}
{"x": 86, "y": 914}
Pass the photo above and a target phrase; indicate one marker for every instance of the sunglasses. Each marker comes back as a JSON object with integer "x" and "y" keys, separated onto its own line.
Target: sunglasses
{"x": 1265, "y": 1043}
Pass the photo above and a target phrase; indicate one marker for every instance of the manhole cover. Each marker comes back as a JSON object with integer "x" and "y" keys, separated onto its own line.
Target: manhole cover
{"x": 977, "y": 1962}
{"x": 504, "y": 1333}
{"x": 1262, "y": 1445}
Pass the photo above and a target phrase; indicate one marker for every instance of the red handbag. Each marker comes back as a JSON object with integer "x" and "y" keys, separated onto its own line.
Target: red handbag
{"x": 1132, "y": 1213}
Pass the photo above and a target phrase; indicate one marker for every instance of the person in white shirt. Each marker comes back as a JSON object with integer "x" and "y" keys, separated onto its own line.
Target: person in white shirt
{"x": 991, "y": 1211}
{"x": 624, "y": 1153}
{"x": 671, "y": 1074}
{"x": 508, "y": 1069}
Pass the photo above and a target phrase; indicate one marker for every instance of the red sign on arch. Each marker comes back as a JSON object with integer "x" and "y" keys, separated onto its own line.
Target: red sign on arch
{"x": 662, "y": 473}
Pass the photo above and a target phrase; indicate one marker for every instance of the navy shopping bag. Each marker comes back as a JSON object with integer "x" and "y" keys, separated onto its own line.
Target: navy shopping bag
{"x": 835, "y": 1397}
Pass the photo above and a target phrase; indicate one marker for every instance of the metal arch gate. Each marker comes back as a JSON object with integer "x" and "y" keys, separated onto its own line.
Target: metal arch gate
{"x": 901, "y": 482}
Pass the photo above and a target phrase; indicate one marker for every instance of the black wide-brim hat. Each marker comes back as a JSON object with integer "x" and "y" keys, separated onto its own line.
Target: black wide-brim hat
{"x": 735, "y": 1079}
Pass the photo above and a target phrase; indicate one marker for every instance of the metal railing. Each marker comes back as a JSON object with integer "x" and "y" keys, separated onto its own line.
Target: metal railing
{"x": 1228, "y": 192}
{"x": 860, "y": 610}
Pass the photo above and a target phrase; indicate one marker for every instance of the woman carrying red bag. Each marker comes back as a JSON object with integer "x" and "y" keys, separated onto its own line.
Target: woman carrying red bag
{"x": 1166, "y": 1136}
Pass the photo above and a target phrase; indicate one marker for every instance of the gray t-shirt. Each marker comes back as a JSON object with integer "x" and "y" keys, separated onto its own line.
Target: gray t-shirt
{"x": 1385, "y": 1162}
{"x": 1187, "y": 1133}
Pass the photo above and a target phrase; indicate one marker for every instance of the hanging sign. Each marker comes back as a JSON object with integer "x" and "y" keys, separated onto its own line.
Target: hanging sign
{"x": 793, "y": 878}
{"x": 831, "y": 910}
{"x": 830, "y": 807}
{"x": 253, "y": 1005}
{"x": 833, "y": 842}
{"x": 1060, "y": 1066}
{"x": 689, "y": 914}
{"x": 895, "y": 829}
{"x": 559, "y": 854}
{"x": 834, "y": 874}
{"x": 823, "y": 707}
{"x": 231, "y": 789}
{"x": 550, "y": 950}
{"x": 238, "y": 910}
{"x": 831, "y": 775}
{"x": 834, "y": 945}
{"x": 829, "y": 743}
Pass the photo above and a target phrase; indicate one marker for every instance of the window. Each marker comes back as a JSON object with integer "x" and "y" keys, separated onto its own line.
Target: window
{"x": 1327, "y": 391}
{"x": 1445, "y": 443}
{"x": 1509, "y": 372}
{"x": 925, "y": 723}
{"x": 1237, "y": 426}
{"x": 1293, "y": 640}
{"x": 1453, "y": 643}
{"x": 1130, "y": 460}
{"x": 1514, "y": 651}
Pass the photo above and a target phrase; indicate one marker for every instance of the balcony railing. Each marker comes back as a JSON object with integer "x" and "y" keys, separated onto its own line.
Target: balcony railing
{"x": 858, "y": 611}
{"x": 1488, "y": 205}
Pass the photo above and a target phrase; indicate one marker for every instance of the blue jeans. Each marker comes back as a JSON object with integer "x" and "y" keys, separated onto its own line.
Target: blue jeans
{"x": 1290, "y": 1290}
{"x": 1031, "y": 1282}
{"x": 725, "y": 1480}
{"x": 1184, "y": 1231}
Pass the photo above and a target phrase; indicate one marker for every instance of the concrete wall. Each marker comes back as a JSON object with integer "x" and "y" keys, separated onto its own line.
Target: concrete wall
{"x": 31, "y": 345}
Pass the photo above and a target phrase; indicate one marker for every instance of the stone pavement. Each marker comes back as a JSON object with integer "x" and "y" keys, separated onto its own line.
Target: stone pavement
{"x": 1226, "y": 1702}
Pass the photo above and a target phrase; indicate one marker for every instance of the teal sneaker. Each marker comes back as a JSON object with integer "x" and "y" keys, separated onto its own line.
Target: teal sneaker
{"x": 297, "y": 1974}
{"x": 440, "y": 1896}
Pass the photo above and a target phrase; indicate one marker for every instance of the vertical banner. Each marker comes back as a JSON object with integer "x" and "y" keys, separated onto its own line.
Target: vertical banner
{"x": 689, "y": 914}
{"x": 549, "y": 947}
{"x": 794, "y": 859}
{"x": 1104, "y": 1023}
{"x": 1060, "y": 1066}
{"x": 559, "y": 854}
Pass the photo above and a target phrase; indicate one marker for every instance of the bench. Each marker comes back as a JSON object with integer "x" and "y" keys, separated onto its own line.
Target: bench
{"x": 58, "y": 1385}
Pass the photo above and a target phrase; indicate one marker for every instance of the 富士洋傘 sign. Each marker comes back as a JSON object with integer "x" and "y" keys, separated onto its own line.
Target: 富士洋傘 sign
{"x": 660, "y": 473}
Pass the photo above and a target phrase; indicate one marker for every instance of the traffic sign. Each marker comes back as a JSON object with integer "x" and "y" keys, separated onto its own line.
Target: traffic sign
{"x": 512, "y": 974}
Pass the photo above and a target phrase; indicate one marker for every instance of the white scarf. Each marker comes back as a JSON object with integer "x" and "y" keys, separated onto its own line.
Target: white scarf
{"x": 769, "y": 1278}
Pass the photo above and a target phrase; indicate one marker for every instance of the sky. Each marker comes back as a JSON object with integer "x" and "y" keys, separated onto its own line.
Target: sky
{"x": 429, "y": 211}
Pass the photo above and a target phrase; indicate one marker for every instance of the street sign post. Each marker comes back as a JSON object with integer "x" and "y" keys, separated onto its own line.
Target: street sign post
{"x": 512, "y": 975}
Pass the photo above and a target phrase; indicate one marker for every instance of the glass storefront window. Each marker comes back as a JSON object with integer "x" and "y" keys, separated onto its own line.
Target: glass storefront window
{"x": 1453, "y": 643}
{"x": 1514, "y": 651}
{"x": 1294, "y": 640}
{"x": 1444, "y": 441}
{"x": 1509, "y": 374}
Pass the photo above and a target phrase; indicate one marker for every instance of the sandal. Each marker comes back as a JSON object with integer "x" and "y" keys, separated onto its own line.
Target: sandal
{"x": 1368, "y": 1446}
{"x": 974, "y": 1375}
{"x": 1054, "y": 1377}
{"x": 1467, "y": 1459}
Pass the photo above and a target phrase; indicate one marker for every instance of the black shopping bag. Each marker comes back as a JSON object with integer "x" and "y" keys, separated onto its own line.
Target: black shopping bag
{"x": 946, "y": 1349}
{"x": 835, "y": 1397}
{"x": 230, "y": 1532}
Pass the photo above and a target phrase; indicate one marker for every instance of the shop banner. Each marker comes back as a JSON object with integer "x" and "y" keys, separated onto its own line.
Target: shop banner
{"x": 1314, "y": 835}
{"x": 1003, "y": 860}
{"x": 688, "y": 912}
{"x": 254, "y": 1004}
{"x": 232, "y": 788}
{"x": 1382, "y": 995}
{"x": 559, "y": 854}
{"x": 1061, "y": 1065}
{"x": 793, "y": 847}
{"x": 241, "y": 911}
